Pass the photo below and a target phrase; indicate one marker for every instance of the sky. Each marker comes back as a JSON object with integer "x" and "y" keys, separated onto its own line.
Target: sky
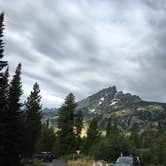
{"x": 83, "y": 46}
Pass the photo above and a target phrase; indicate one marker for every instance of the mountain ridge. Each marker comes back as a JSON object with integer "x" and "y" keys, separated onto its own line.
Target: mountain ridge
{"x": 127, "y": 111}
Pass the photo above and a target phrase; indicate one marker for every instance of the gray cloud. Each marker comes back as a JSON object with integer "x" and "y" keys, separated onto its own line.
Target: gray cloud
{"x": 82, "y": 46}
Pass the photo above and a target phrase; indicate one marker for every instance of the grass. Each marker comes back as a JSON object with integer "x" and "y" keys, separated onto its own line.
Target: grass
{"x": 80, "y": 162}
{"x": 37, "y": 163}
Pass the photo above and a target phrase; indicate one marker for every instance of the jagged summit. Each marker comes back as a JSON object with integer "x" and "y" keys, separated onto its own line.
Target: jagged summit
{"x": 127, "y": 111}
{"x": 107, "y": 98}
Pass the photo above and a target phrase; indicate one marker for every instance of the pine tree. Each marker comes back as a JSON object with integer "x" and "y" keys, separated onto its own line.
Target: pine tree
{"x": 3, "y": 115}
{"x": 3, "y": 96}
{"x": 114, "y": 131}
{"x": 93, "y": 134}
{"x": 108, "y": 129}
{"x": 135, "y": 140}
{"x": 46, "y": 139}
{"x": 2, "y": 63}
{"x": 78, "y": 128}
{"x": 14, "y": 121}
{"x": 65, "y": 125}
{"x": 33, "y": 119}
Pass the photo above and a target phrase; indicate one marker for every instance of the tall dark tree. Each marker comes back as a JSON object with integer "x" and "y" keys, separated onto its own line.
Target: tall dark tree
{"x": 93, "y": 134}
{"x": 135, "y": 139}
{"x": 112, "y": 130}
{"x": 65, "y": 125}
{"x": 78, "y": 128}
{"x": 3, "y": 95}
{"x": 2, "y": 63}
{"x": 3, "y": 115}
{"x": 33, "y": 119}
{"x": 46, "y": 139}
{"x": 14, "y": 121}
{"x": 108, "y": 129}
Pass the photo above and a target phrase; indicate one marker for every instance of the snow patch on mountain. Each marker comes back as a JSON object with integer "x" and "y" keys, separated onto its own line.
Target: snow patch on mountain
{"x": 102, "y": 98}
{"x": 100, "y": 102}
{"x": 113, "y": 103}
{"x": 92, "y": 110}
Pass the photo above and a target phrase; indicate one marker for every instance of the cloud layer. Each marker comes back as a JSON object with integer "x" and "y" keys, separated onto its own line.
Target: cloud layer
{"x": 82, "y": 46}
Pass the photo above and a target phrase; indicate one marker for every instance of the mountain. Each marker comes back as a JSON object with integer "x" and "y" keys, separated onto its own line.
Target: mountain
{"x": 106, "y": 101}
{"x": 50, "y": 114}
{"x": 127, "y": 111}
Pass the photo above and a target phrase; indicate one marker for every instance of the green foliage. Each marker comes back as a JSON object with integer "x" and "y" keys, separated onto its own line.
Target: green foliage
{"x": 14, "y": 121}
{"x": 101, "y": 150}
{"x": 108, "y": 129}
{"x": 15, "y": 91}
{"x": 11, "y": 122}
{"x": 65, "y": 125}
{"x": 32, "y": 120}
{"x": 111, "y": 130}
{"x": 78, "y": 124}
{"x": 109, "y": 149}
{"x": 93, "y": 132}
{"x": 145, "y": 154}
{"x": 135, "y": 139}
{"x": 3, "y": 96}
{"x": 46, "y": 139}
{"x": 3, "y": 114}
{"x": 93, "y": 135}
{"x": 158, "y": 149}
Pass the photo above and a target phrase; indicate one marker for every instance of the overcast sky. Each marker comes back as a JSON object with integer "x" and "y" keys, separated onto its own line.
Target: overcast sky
{"x": 83, "y": 46}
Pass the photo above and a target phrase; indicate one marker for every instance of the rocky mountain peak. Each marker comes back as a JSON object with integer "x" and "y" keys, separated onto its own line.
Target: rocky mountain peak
{"x": 125, "y": 98}
{"x": 127, "y": 111}
{"x": 99, "y": 99}
{"x": 107, "y": 99}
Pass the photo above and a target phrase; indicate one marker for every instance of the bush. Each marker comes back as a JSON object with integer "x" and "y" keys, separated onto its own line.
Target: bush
{"x": 145, "y": 154}
{"x": 109, "y": 149}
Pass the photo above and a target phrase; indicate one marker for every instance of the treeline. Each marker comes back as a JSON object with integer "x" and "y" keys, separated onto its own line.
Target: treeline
{"x": 20, "y": 123}
{"x": 97, "y": 144}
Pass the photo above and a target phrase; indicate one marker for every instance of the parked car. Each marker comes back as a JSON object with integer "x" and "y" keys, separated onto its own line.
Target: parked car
{"x": 44, "y": 156}
{"x": 125, "y": 161}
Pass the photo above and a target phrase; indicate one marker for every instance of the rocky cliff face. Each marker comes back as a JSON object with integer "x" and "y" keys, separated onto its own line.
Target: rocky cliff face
{"x": 127, "y": 111}
{"x": 106, "y": 101}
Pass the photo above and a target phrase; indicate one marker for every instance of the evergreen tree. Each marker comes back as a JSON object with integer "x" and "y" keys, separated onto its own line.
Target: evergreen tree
{"x": 65, "y": 125}
{"x": 113, "y": 130}
{"x": 78, "y": 128}
{"x": 93, "y": 134}
{"x": 109, "y": 149}
{"x": 3, "y": 115}
{"x": 158, "y": 148}
{"x": 46, "y": 139}
{"x": 14, "y": 121}
{"x": 108, "y": 129}
{"x": 2, "y": 63}
{"x": 33, "y": 119}
{"x": 3, "y": 96}
{"x": 134, "y": 139}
